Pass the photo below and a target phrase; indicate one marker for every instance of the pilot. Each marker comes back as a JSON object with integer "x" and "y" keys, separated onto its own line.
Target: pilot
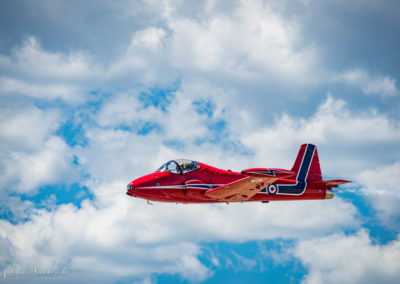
{"x": 183, "y": 165}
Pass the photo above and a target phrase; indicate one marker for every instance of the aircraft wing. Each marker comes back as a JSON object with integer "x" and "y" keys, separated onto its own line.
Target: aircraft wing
{"x": 239, "y": 190}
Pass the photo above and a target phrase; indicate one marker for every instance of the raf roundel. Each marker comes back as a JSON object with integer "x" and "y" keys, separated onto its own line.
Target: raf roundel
{"x": 272, "y": 189}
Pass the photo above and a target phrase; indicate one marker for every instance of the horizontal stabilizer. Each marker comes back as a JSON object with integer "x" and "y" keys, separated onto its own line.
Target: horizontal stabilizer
{"x": 329, "y": 183}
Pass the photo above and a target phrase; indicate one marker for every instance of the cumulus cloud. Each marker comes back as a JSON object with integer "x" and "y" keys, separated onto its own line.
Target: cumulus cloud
{"x": 33, "y": 62}
{"x": 26, "y": 171}
{"x": 14, "y": 209}
{"x": 27, "y": 128}
{"x": 332, "y": 126}
{"x": 250, "y": 48}
{"x": 117, "y": 237}
{"x": 350, "y": 259}
{"x": 179, "y": 120}
{"x": 250, "y": 42}
{"x": 382, "y": 188}
{"x": 119, "y": 225}
{"x": 31, "y": 154}
{"x": 126, "y": 110}
{"x": 243, "y": 62}
{"x": 145, "y": 61}
{"x": 14, "y": 87}
{"x": 33, "y": 72}
{"x": 384, "y": 86}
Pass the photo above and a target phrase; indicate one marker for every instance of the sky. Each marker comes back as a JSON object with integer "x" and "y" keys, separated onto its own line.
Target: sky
{"x": 94, "y": 94}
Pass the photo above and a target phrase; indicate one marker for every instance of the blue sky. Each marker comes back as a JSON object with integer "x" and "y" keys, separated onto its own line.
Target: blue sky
{"x": 93, "y": 95}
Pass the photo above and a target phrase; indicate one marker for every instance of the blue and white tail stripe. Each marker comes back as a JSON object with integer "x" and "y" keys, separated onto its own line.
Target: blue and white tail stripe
{"x": 300, "y": 186}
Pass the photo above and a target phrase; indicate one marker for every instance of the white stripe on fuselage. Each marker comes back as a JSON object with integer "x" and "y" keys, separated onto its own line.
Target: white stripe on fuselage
{"x": 180, "y": 186}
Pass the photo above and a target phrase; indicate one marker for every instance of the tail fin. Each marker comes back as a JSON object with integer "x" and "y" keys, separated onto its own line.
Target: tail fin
{"x": 307, "y": 164}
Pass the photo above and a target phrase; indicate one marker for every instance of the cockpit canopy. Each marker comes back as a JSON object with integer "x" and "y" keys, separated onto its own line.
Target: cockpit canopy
{"x": 180, "y": 166}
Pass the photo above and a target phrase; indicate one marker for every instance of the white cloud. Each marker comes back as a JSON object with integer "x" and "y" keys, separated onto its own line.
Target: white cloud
{"x": 179, "y": 120}
{"x": 150, "y": 38}
{"x": 34, "y": 72}
{"x": 117, "y": 236}
{"x": 333, "y": 126}
{"x": 246, "y": 47}
{"x": 31, "y": 154}
{"x": 251, "y": 42}
{"x": 384, "y": 86}
{"x": 26, "y": 128}
{"x": 117, "y": 154}
{"x": 27, "y": 171}
{"x": 349, "y": 259}
{"x": 244, "y": 263}
{"x": 11, "y": 87}
{"x": 14, "y": 208}
{"x": 235, "y": 57}
{"x": 182, "y": 121}
{"x": 248, "y": 44}
{"x": 112, "y": 231}
{"x": 382, "y": 188}
{"x": 145, "y": 61}
{"x": 126, "y": 110}
{"x": 32, "y": 62}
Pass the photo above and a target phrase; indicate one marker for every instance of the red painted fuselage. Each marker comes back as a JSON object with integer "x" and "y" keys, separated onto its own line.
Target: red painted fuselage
{"x": 186, "y": 181}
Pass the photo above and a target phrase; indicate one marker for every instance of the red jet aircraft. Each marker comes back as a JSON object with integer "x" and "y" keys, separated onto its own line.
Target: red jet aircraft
{"x": 188, "y": 181}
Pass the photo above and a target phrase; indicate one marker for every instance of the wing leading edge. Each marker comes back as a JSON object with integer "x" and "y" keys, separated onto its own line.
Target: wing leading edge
{"x": 239, "y": 190}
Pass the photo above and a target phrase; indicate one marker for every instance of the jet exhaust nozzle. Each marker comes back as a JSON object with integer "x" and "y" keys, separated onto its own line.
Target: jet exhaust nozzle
{"x": 329, "y": 194}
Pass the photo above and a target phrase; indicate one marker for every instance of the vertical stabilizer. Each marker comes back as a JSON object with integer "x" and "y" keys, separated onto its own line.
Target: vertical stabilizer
{"x": 307, "y": 165}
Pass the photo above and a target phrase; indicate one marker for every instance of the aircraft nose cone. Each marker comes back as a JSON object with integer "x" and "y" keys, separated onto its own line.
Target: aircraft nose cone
{"x": 130, "y": 190}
